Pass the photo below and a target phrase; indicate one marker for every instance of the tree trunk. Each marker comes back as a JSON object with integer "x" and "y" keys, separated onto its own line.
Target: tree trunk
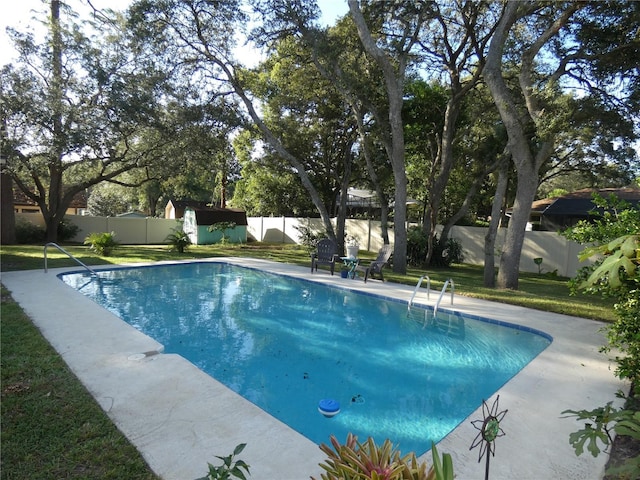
{"x": 518, "y": 146}
{"x": 462, "y": 211}
{"x": 366, "y": 150}
{"x": 494, "y": 224}
{"x": 446, "y": 161}
{"x": 394, "y": 74}
{"x": 511, "y": 253}
{"x": 466, "y": 204}
{"x": 8, "y": 226}
{"x": 344, "y": 192}
{"x": 400, "y": 180}
{"x": 50, "y": 203}
{"x": 531, "y": 140}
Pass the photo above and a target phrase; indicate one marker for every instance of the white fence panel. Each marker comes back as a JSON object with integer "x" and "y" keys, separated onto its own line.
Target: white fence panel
{"x": 128, "y": 231}
{"x": 557, "y": 253}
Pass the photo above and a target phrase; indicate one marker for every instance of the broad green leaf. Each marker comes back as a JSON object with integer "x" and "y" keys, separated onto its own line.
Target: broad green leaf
{"x": 588, "y": 434}
{"x": 629, "y": 427}
{"x": 447, "y": 467}
{"x": 239, "y": 448}
{"x": 610, "y": 268}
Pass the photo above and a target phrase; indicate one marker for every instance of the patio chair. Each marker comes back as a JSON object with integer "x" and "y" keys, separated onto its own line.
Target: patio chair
{"x": 326, "y": 255}
{"x": 376, "y": 266}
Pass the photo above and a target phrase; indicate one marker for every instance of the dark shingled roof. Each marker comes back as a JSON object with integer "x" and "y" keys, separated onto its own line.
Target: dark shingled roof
{"x": 188, "y": 203}
{"x": 211, "y": 215}
{"x": 580, "y": 202}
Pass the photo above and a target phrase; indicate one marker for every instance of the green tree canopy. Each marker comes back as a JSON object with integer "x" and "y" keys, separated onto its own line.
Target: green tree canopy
{"x": 74, "y": 108}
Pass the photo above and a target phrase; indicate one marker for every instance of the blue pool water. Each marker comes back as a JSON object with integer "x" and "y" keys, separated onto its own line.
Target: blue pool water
{"x": 285, "y": 344}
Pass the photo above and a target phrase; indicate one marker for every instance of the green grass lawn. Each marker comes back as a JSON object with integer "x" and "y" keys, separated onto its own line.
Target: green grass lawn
{"x": 541, "y": 292}
{"x": 51, "y": 426}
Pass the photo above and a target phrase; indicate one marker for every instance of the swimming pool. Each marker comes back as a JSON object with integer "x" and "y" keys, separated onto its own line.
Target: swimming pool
{"x": 284, "y": 344}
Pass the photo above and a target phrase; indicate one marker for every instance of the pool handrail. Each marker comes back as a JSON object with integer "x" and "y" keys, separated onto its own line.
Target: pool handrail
{"x": 53, "y": 244}
{"x": 449, "y": 282}
{"x": 415, "y": 290}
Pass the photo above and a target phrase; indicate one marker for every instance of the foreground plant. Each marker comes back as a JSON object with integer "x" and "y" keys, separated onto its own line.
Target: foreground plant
{"x": 616, "y": 274}
{"x": 364, "y": 461}
{"x": 229, "y": 468}
{"x": 598, "y": 429}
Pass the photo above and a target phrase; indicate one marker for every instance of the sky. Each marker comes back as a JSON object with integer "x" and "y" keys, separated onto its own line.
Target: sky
{"x": 17, "y": 14}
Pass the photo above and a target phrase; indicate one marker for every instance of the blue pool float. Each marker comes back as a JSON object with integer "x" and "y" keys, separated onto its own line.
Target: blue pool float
{"x": 328, "y": 407}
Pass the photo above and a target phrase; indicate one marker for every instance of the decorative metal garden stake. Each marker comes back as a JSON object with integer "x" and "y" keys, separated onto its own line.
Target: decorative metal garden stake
{"x": 489, "y": 430}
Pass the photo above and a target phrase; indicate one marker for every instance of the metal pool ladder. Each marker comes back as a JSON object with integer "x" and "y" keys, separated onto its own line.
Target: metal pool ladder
{"x": 444, "y": 289}
{"x": 415, "y": 290}
{"x": 52, "y": 244}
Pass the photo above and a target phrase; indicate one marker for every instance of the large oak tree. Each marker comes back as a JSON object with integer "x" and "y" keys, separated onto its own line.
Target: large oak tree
{"x": 74, "y": 107}
{"x": 544, "y": 44}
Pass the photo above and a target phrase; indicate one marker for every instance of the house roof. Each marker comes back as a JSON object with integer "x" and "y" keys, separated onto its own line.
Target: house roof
{"x": 134, "y": 214}
{"x": 211, "y": 215}
{"x": 19, "y": 198}
{"x": 368, "y": 198}
{"x": 580, "y": 202}
{"x": 541, "y": 205}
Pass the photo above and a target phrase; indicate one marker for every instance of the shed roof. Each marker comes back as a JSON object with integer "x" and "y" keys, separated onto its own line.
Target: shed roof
{"x": 188, "y": 203}
{"x": 211, "y": 215}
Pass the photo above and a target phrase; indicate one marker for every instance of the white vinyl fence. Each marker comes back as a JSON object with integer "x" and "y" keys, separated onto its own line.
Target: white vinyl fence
{"x": 557, "y": 253}
{"x": 128, "y": 231}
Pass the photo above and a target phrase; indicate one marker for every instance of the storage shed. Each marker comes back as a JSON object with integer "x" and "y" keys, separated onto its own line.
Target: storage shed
{"x": 197, "y": 223}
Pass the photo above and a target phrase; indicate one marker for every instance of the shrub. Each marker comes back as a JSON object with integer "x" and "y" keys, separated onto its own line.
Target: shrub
{"x": 615, "y": 274}
{"x": 308, "y": 238}
{"x": 222, "y": 227}
{"x": 28, "y": 233}
{"x": 416, "y": 246}
{"x": 101, "y": 243}
{"x": 179, "y": 241}
{"x": 444, "y": 254}
{"x": 67, "y": 230}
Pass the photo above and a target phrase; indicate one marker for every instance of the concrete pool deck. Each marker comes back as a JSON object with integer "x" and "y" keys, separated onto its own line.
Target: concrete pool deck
{"x": 180, "y": 418}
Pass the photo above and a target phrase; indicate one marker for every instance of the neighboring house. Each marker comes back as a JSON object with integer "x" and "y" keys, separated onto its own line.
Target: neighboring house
{"x": 553, "y": 214}
{"x": 197, "y": 223}
{"x": 175, "y": 208}
{"x": 134, "y": 214}
{"x": 537, "y": 207}
{"x": 365, "y": 202}
{"x": 23, "y": 204}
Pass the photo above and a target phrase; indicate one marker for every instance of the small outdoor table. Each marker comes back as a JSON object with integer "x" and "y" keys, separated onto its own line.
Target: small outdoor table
{"x": 351, "y": 263}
